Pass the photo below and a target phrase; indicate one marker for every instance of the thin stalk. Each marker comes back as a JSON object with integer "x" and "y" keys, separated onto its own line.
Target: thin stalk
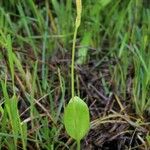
{"x": 77, "y": 24}
{"x": 78, "y": 145}
{"x": 73, "y": 60}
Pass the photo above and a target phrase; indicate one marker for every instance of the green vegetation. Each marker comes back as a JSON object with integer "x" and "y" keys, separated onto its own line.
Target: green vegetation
{"x": 112, "y": 63}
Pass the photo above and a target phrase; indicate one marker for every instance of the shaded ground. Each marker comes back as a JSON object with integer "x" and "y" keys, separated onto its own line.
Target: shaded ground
{"x": 114, "y": 125}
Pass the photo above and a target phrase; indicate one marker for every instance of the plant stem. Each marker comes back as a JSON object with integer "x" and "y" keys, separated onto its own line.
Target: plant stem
{"x": 73, "y": 59}
{"x": 78, "y": 144}
{"x": 77, "y": 24}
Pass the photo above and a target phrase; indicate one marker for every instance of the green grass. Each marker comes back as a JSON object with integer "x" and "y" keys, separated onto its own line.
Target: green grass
{"x": 32, "y": 35}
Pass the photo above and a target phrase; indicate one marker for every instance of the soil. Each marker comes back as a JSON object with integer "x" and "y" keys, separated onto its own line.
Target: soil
{"x": 117, "y": 133}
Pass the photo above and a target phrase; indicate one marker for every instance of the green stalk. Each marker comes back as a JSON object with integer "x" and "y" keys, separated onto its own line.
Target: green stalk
{"x": 78, "y": 145}
{"x": 77, "y": 24}
{"x": 73, "y": 60}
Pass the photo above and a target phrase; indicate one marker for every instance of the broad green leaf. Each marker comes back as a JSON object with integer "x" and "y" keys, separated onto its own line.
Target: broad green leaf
{"x": 76, "y": 118}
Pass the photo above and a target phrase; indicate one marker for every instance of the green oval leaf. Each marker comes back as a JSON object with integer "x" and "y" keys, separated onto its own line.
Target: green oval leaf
{"x": 76, "y": 118}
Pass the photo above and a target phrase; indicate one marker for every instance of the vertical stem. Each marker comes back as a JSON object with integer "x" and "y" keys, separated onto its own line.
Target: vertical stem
{"x": 73, "y": 58}
{"x": 78, "y": 144}
{"x": 77, "y": 24}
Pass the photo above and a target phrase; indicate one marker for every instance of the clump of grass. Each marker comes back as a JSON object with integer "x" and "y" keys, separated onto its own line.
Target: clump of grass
{"x": 32, "y": 33}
